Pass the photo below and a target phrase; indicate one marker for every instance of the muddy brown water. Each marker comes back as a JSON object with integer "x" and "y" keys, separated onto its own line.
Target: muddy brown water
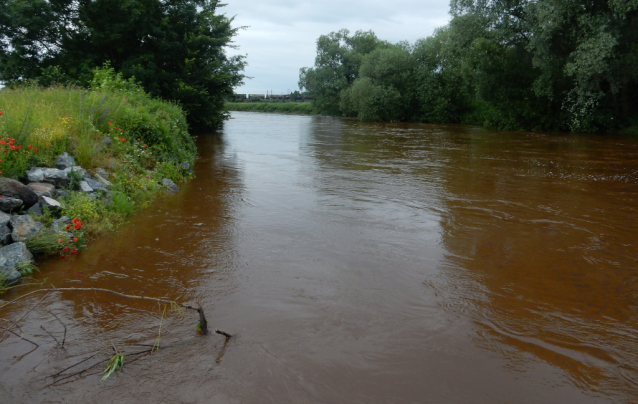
{"x": 358, "y": 263}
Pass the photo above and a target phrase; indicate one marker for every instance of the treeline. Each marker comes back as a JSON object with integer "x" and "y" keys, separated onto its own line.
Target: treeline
{"x": 504, "y": 64}
{"x": 175, "y": 49}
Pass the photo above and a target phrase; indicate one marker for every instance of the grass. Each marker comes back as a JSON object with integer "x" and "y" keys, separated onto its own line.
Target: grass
{"x": 304, "y": 108}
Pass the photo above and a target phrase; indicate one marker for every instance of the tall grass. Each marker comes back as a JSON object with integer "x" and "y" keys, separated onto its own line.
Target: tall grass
{"x": 304, "y": 108}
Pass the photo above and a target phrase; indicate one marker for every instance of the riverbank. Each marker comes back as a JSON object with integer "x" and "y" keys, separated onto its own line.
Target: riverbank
{"x": 75, "y": 163}
{"x": 303, "y": 108}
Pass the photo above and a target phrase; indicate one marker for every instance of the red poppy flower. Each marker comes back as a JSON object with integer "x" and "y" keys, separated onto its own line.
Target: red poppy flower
{"x": 144, "y": 146}
{"x": 75, "y": 239}
{"x": 110, "y": 124}
{"x": 61, "y": 255}
{"x": 4, "y": 151}
{"x": 75, "y": 220}
{"x": 138, "y": 139}
{"x": 121, "y": 129}
{"x": 68, "y": 227}
{"x": 35, "y": 150}
{"x": 59, "y": 241}
{"x": 30, "y": 147}
{"x": 123, "y": 140}
{"x": 1, "y": 113}
{"x": 66, "y": 249}
{"x": 77, "y": 226}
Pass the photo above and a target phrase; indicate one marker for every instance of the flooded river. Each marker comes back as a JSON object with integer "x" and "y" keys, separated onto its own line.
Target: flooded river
{"x": 358, "y": 263}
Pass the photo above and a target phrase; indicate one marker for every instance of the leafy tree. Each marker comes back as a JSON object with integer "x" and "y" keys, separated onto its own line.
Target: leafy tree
{"x": 174, "y": 48}
{"x": 339, "y": 57}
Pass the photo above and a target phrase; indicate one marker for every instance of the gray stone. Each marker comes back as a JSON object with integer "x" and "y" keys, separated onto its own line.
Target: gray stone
{"x": 4, "y": 218}
{"x": 102, "y": 180}
{"x": 10, "y": 256}
{"x": 94, "y": 184}
{"x": 186, "y": 166}
{"x": 23, "y": 227}
{"x": 49, "y": 175}
{"x": 102, "y": 172}
{"x": 50, "y": 204}
{"x": 42, "y": 189}
{"x": 75, "y": 168}
{"x": 106, "y": 141}
{"x": 35, "y": 210}
{"x": 8, "y": 204}
{"x": 64, "y": 160}
{"x": 5, "y": 235}
{"x": 60, "y": 224}
{"x": 17, "y": 190}
{"x": 61, "y": 193}
{"x": 170, "y": 185}
{"x": 85, "y": 187}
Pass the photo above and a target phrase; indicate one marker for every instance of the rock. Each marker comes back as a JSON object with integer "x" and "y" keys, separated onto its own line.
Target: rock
{"x": 50, "y": 204}
{"x": 94, "y": 184}
{"x": 102, "y": 172}
{"x": 75, "y": 168}
{"x": 35, "y": 210}
{"x": 23, "y": 227}
{"x": 185, "y": 166}
{"x": 8, "y": 204}
{"x": 15, "y": 189}
{"x": 102, "y": 180}
{"x": 42, "y": 189}
{"x": 64, "y": 160}
{"x": 85, "y": 187}
{"x": 4, "y": 218}
{"x": 5, "y": 235}
{"x": 170, "y": 185}
{"x": 61, "y": 193}
{"x": 106, "y": 141}
{"x": 60, "y": 224}
{"x": 10, "y": 256}
{"x": 49, "y": 175}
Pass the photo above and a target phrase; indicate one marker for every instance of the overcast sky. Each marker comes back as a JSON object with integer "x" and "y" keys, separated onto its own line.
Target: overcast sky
{"x": 280, "y": 35}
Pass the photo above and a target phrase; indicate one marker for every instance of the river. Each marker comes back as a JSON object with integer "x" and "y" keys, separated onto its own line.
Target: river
{"x": 358, "y": 263}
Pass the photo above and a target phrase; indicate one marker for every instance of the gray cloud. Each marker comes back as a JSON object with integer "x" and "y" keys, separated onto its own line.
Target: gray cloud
{"x": 281, "y": 35}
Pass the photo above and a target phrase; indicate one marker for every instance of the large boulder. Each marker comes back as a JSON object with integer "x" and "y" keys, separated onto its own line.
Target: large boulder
{"x": 23, "y": 227}
{"x": 10, "y": 256}
{"x": 85, "y": 187}
{"x": 64, "y": 160}
{"x": 50, "y": 204}
{"x": 17, "y": 190}
{"x": 42, "y": 189}
{"x": 8, "y": 204}
{"x": 79, "y": 169}
{"x": 102, "y": 180}
{"x": 48, "y": 175}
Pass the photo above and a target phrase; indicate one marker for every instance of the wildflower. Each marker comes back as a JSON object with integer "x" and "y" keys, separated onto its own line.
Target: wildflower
{"x": 35, "y": 150}
{"x": 138, "y": 139}
{"x": 66, "y": 249}
{"x": 74, "y": 251}
{"x": 59, "y": 241}
{"x": 1, "y": 161}
{"x": 4, "y": 151}
{"x": 144, "y": 146}
{"x": 30, "y": 147}
{"x": 110, "y": 123}
{"x": 77, "y": 226}
{"x": 75, "y": 239}
{"x": 61, "y": 255}
{"x": 122, "y": 130}
{"x": 1, "y": 113}
{"x": 68, "y": 227}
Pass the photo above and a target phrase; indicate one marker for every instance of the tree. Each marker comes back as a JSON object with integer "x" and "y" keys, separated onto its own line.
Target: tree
{"x": 174, "y": 48}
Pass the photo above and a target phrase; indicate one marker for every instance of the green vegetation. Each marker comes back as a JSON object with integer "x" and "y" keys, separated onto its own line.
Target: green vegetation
{"x": 114, "y": 125}
{"x": 281, "y": 107}
{"x": 540, "y": 65}
{"x": 175, "y": 49}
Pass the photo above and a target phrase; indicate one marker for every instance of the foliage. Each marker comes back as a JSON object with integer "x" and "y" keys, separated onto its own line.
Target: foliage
{"x": 175, "y": 49}
{"x": 523, "y": 64}
{"x": 280, "y": 107}
{"x": 122, "y": 204}
{"x": 115, "y": 363}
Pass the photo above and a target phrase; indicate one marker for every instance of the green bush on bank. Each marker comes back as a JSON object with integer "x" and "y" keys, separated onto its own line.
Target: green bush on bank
{"x": 281, "y": 107}
{"x": 113, "y": 125}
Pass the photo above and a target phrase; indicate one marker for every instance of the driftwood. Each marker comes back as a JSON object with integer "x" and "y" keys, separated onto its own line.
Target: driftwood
{"x": 198, "y": 309}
